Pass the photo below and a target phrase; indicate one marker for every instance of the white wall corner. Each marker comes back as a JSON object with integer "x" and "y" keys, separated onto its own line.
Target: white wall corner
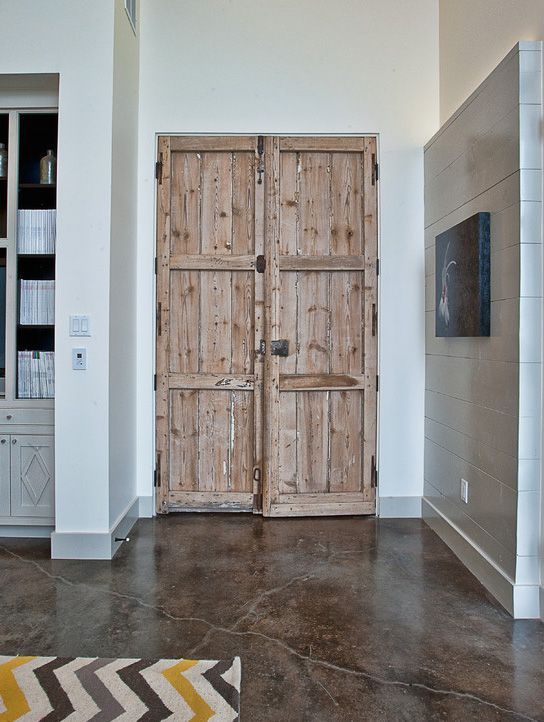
{"x": 95, "y": 545}
{"x": 146, "y": 507}
{"x": 520, "y": 600}
{"x": 399, "y": 507}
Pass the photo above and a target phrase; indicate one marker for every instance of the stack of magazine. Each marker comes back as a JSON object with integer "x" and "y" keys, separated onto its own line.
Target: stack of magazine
{"x": 36, "y": 231}
{"x": 37, "y": 303}
{"x": 36, "y": 376}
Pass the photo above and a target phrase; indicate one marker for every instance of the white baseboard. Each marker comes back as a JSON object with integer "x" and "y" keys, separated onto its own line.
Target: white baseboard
{"x": 26, "y": 532}
{"x": 520, "y": 600}
{"x": 95, "y": 545}
{"x": 147, "y": 507}
{"x": 399, "y": 507}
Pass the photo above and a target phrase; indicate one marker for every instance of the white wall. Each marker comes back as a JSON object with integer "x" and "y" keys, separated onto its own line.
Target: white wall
{"x": 75, "y": 38}
{"x": 354, "y": 66}
{"x": 474, "y": 37}
{"x": 122, "y": 376}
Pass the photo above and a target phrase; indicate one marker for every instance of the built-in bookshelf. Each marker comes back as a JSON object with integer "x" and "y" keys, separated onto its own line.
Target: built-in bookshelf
{"x": 36, "y": 240}
{"x": 28, "y": 239}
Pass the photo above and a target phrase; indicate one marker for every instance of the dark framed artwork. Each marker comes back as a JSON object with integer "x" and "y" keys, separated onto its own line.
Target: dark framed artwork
{"x": 463, "y": 278}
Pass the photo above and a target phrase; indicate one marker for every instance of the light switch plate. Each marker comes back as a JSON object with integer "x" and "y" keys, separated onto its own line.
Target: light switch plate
{"x": 80, "y": 326}
{"x": 79, "y": 359}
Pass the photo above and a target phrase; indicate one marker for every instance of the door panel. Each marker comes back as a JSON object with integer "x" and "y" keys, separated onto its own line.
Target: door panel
{"x": 321, "y": 445}
{"x": 228, "y": 410}
{"x": 206, "y": 325}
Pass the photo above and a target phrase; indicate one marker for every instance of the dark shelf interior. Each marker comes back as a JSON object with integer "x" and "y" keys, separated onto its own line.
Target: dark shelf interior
{"x": 35, "y": 338}
{"x": 37, "y": 132}
{"x": 4, "y": 134}
{"x": 36, "y": 268}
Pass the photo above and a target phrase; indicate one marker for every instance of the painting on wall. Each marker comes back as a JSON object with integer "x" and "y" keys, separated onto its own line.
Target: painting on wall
{"x": 463, "y": 278}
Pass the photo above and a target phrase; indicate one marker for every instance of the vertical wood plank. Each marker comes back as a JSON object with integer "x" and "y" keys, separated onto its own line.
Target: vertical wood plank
{"x": 313, "y": 442}
{"x": 243, "y": 320}
{"x": 272, "y": 324}
{"x": 162, "y": 330}
{"x": 289, "y": 227}
{"x": 216, "y": 212}
{"x": 214, "y": 440}
{"x": 185, "y": 236}
{"x": 243, "y": 203}
{"x": 258, "y": 368}
{"x": 242, "y": 424}
{"x": 184, "y": 321}
{"x": 346, "y": 424}
{"x": 313, "y": 322}
{"x": 346, "y": 294}
{"x": 184, "y": 441}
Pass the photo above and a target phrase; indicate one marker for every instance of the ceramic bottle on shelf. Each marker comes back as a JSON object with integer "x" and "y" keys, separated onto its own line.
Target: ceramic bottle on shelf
{"x": 3, "y": 161}
{"x": 48, "y": 169}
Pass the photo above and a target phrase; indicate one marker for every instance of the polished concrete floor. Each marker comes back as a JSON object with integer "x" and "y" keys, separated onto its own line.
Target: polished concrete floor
{"x": 334, "y": 619}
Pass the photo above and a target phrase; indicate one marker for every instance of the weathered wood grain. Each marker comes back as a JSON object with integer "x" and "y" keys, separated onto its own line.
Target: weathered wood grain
{"x": 183, "y": 441}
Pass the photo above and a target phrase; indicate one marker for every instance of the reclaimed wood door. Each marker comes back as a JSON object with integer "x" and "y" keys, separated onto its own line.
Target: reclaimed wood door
{"x": 266, "y": 325}
{"x": 320, "y": 411}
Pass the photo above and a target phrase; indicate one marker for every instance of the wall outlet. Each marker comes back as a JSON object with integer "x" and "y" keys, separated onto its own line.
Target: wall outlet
{"x": 79, "y": 359}
{"x": 464, "y": 490}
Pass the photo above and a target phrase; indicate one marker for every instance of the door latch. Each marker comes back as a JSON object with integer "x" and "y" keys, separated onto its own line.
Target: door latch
{"x": 280, "y": 347}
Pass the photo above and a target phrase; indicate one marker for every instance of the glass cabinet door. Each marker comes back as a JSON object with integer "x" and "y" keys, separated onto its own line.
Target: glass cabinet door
{"x": 2, "y": 322}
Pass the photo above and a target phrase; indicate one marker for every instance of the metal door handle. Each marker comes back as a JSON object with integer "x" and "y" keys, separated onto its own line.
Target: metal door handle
{"x": 14, "y": 441}
{"x": 2, "y": 441}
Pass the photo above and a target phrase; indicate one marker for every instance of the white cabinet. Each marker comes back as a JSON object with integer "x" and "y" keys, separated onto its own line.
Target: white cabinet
{"x": 32, "y": 476}
{"x": 27, "y": 478}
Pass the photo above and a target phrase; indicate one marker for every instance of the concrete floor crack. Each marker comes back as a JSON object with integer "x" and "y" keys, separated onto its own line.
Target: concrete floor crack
{"x": 376, "y": 679}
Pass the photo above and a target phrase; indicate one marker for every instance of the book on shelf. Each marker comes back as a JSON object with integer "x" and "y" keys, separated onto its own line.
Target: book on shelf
{"x": 36, "y": 231}
{"x": 36, "y": 374}
{"x": 37, "y": 303}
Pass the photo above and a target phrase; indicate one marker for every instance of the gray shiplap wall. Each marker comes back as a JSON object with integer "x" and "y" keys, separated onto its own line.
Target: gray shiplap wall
{"x": 482, "y": 398}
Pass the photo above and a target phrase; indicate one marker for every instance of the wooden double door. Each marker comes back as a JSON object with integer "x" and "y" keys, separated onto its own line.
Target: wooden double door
{"x": 266, "y": 379}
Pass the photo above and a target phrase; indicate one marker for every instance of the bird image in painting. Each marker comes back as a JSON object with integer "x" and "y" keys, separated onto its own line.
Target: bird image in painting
{"x": 443, "y": 309}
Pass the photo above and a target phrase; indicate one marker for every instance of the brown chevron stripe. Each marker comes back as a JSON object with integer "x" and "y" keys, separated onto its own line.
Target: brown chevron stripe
{"x": 229, "y": 693}
{"x": 59, "y": 700}
{"x": 133, "y": 679}
{"x": 109, "y": 707}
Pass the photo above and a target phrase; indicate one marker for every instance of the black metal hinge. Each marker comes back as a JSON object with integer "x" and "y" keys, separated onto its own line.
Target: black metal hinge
{"x": 377, "y": 382}
{"x": 377, "y": 266}
{"x": 260, "y": 152}
{"x": 374, "y": 474}
{"x": 157, "y": 472}
{"x": 158, "y": 171}
{"x": 257, "y": 490}
{"x": 374, "y": 319}
{"x": 375, "y": 170}
{"x": 154, "y": 382}
{"x": 155, "y": 265}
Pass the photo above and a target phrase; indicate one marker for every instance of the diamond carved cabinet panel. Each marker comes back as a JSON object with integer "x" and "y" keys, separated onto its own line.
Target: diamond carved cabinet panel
{"x": 32, "y": 476}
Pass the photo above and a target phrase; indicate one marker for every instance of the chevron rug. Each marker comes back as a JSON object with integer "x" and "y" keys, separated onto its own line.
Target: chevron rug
{"x": 79, "y": 689}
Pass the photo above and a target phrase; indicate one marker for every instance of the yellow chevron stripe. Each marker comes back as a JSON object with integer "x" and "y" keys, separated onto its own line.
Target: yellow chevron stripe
{"x": 185, "y": 689}
{"x": 12, "y": 695}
